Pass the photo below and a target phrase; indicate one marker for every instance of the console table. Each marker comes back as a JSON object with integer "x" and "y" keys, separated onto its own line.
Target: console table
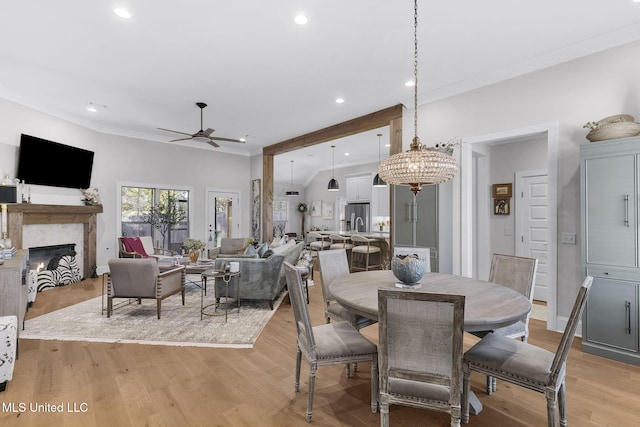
{"x": 13, "y": 286}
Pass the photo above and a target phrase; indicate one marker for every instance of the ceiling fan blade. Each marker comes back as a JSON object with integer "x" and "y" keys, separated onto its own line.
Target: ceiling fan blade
{"x": 208, "y": 132}
{"x": 226, "y": 139}
{"x": 213, "y": 143}
{"x": 175, "y": 131}
{"x": 181, "y": 139}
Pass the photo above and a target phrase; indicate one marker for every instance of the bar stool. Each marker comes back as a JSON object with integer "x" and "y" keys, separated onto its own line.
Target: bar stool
{"x": 362, "y": 245}
{"x": 8, "y": 344}
{"x": 341, "y": 242}
{"x": 320, "y": 243}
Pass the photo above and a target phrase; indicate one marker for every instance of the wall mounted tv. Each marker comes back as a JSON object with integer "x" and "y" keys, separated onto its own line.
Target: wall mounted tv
{"x": 44, "y": 162}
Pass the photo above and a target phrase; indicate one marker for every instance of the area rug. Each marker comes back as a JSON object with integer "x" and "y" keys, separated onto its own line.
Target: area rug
{"x": 539, "y": 312}
{"x": 138, "y": 323}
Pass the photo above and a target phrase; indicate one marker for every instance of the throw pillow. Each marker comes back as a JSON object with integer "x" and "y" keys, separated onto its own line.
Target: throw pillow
{"x": 267, "y": 253}
{"x": 250, "y": 250}
{"x": 275, "y": 243}
{"x": 262, "y": 249}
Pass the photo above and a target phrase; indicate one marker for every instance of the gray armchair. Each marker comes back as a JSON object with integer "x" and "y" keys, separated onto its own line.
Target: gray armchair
{"x": 141, "y": 278}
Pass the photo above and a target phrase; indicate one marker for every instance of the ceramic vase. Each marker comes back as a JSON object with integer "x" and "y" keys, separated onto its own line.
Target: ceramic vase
{"x": 409, "y": 269}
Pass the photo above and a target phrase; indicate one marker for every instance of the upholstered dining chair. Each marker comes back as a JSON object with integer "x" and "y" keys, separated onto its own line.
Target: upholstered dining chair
{"x": 318, "y": 241}
{"x": 527, "y": 365}
{"x": 422, "y": 252}
{"x": 420, "y": 366}
{"x": 519, "y": 274}
{"x": 141, "y": 278}
{"x": 327, "y": 344}
{"x": 363, "y": 246}
{"x": 334, "y": 264}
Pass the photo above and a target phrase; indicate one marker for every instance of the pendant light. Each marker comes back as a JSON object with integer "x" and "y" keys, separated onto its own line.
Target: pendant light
{"x": 292, "y": 192}
{"x": 419, "y": 165}
{"x": 333, "y": 183}
{"x": 377, "y": 181}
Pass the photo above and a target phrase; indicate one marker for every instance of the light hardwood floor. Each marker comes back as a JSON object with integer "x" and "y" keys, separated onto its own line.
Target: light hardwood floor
{"x": 139, "y": 385}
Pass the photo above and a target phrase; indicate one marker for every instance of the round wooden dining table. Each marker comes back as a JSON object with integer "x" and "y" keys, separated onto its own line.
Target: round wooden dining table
{"x": 487, "y": 305}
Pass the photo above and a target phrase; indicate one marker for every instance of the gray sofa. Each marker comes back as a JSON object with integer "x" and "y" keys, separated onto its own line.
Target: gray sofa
{"x": 260, "y": 278}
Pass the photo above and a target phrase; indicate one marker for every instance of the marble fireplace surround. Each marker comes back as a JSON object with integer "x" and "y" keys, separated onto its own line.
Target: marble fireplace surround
{"x": 24, "y": 214}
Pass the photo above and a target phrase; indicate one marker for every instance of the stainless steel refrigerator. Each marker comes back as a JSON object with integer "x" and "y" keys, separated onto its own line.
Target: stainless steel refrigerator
{"x": 357, "y": 216}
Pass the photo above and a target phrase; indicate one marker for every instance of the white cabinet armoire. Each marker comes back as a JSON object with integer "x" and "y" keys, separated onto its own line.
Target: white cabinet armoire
{"x": 610, "y": 187}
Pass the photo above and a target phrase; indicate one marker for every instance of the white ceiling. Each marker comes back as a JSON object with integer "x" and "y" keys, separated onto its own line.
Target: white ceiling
{"x": 269, "y": 79}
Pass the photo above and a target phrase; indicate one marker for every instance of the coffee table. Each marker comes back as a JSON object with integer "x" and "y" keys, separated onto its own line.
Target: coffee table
{"x": 227, "y": 279}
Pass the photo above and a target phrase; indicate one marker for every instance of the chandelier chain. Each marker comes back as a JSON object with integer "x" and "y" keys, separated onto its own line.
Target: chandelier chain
{"x": 415, "y": 68}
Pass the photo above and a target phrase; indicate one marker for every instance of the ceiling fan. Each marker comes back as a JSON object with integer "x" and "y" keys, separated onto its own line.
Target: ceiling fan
{"x": 202, "y": 135}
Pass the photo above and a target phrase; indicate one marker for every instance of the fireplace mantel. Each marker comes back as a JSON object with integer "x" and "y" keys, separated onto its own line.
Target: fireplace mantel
{"x": 21, "y": 214}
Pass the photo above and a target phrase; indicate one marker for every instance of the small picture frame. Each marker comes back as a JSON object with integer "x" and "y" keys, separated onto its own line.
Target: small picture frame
{"x": 327, "y": 210}
{"x": 502, "y": 191}
{"x": 501, "y": 206}
{"x": 316, "y": 208}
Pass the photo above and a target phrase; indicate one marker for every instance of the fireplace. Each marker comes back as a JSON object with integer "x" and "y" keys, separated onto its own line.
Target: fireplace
{"x": 25, "y": 215}
{"x": 55, "y": 265}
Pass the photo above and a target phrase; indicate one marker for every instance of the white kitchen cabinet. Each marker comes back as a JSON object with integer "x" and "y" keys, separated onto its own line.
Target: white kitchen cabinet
{"x": 359, "y": 188}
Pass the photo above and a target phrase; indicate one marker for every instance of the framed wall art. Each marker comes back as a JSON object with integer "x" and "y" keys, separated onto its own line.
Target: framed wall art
{"x": 501, "y": 191}
{"x": 316, "y": 208}
{"x": 327, "y": 210}
{"x": 501, "y": 206}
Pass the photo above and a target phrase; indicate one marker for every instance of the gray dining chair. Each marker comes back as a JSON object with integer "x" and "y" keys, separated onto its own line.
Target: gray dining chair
{"x": 420, "y": 366}
{"x": 334, "y": 264}
{"x": 517, "y": 273}
{"x": 327, "y": 344}
{"x": 527, "y": 365}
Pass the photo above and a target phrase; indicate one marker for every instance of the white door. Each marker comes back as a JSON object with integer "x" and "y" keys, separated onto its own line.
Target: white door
{"x": 532, "y": 226}
{"x": 223, "y": 217}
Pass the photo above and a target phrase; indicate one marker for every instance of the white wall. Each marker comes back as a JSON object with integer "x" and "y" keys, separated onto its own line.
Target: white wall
{"x": 586, "y": 89}
{"x": 121, "y": 159}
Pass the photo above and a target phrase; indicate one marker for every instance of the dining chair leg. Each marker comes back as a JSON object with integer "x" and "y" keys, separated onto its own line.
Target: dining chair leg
{"x": 347, "y": 369}
{"x": 562, "y": 396}
{"x": 312, "y": 385}
{"x": 466, "y": 389}
{"x": 298, "y": 362}
{"x": 375, "y": 391}
{"x": 384, "y": 412}
{"x": 551, "y": 409}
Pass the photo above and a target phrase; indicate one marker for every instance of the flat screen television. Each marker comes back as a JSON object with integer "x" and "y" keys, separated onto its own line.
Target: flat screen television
{"x": 44, "y": 162}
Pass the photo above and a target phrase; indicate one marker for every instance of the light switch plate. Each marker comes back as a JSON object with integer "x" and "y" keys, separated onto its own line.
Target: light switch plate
{"x": 569, "y": 238}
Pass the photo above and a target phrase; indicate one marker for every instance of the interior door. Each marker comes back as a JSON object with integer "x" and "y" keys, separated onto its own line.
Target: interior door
{"x": 532, "y": 225}
{"x": 221, "y": 221}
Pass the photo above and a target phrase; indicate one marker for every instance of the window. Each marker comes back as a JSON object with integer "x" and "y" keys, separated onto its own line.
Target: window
{"x": 162, "y": 214}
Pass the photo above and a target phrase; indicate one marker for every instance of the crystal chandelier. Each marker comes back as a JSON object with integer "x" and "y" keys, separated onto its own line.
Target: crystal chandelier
{"x": 419, "y": 165}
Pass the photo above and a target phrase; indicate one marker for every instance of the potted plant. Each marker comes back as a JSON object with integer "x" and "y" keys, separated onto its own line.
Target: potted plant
{"x": 193, "y": 247}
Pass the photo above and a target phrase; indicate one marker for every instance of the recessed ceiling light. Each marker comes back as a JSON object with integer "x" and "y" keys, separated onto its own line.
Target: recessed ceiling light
{"x": 243, "y": 139}
{"x": 122, "y": 13}
{"x": 346, "y": 154}
{"x": 339, "y": 101}
{"x": 387, "y": 145}
{"x": 301, "y": 20}
{"x": 92, "y": 109}
{"x": 410, "y": 83}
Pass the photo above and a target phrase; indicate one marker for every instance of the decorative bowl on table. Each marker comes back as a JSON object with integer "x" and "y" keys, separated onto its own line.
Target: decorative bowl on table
{"x": 408, "y": 269}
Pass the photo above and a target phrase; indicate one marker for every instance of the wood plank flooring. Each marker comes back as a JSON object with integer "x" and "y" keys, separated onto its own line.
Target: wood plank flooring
{"x": 100, "y": 384}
